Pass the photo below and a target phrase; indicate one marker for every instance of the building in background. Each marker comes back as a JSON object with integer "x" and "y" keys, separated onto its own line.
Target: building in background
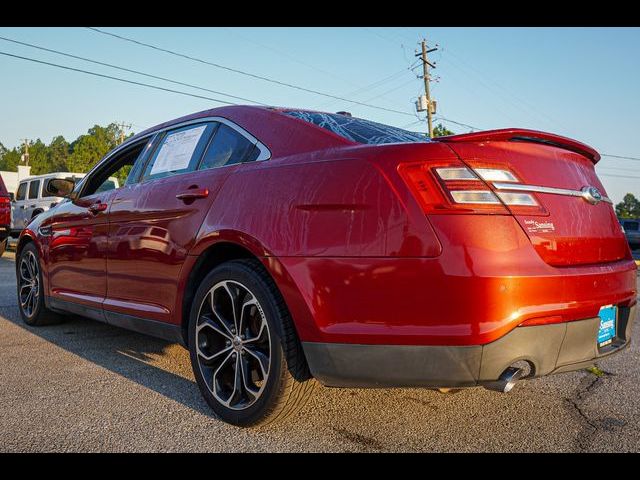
{"x": 12, "y": 179}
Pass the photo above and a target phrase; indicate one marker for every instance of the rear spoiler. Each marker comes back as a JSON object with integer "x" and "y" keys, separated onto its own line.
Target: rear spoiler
{"x": 524, "y": 135}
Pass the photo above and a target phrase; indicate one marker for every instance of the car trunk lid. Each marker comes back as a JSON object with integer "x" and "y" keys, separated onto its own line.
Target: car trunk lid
{"x": 577, "y": 224}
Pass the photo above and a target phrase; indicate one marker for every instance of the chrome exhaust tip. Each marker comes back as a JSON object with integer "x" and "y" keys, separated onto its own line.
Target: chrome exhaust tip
{"x": 507, "y": 380}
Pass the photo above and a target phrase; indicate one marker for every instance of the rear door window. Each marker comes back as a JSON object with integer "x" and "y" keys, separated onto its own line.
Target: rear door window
{"x": 22, "y": 191}
{"x": 178, "y": 151}
{"x": 34, "y": 186}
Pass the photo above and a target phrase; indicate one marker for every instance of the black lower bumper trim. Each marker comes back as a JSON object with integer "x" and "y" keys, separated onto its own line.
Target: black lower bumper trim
{"x": 552, "y": 348}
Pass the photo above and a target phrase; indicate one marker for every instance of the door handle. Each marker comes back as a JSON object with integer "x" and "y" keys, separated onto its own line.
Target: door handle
{"x": 97, "y": 207}
{"x": 193, "y": 193}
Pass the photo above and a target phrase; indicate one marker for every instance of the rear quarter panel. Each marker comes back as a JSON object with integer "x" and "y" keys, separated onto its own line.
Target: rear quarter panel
{"x": 345, "y": 203}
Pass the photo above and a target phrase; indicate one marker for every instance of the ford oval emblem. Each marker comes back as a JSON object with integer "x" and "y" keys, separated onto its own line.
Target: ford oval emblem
{"x": 592, "y": 195}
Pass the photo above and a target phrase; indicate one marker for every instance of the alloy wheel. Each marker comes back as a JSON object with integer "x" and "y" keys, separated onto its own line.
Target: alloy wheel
{"x": 29, "y": 283}
{"x": 233, "y": 345}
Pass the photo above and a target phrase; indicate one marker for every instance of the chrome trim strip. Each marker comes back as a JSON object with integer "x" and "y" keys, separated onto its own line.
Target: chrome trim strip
{"x": 540, "y": 189}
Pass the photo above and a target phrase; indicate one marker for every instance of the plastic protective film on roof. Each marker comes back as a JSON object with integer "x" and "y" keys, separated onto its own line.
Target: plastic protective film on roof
{"x": 358, "y": 130}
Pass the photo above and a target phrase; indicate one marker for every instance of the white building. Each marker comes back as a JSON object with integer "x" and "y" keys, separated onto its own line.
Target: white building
{"x": 12, "y": 179}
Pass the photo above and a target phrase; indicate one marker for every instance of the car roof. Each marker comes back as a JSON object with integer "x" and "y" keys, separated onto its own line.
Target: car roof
{"x": 282, "y": 134}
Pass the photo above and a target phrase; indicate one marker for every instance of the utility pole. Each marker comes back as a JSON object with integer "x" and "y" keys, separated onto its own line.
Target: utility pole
{"x": 121, "y": 128}
{"x": 25, "y": 155}
{"x": 425, "y": 69}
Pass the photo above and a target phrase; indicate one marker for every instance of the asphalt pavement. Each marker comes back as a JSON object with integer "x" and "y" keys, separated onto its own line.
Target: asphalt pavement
{"x": 90, "y": 387}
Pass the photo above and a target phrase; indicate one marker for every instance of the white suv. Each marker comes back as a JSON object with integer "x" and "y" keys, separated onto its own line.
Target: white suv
{"x": 32, "y": 198}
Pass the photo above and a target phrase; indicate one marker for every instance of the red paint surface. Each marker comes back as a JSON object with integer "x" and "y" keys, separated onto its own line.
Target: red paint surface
{"x": 348, "y": 244}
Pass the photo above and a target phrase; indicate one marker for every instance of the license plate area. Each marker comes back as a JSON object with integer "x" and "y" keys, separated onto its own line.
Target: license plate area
{"x": 608, "y": 325}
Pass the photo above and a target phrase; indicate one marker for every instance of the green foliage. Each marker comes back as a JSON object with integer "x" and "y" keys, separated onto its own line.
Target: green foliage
{"x": 629, "y": 207}
{"x": 89, "y": 148}
{"x": 441, "y": 131}
{"x": 60, "y": 156}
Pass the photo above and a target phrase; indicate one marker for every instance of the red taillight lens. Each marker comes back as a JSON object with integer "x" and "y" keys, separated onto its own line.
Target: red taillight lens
{"x": 455, "y": 188}
{"x": 448, "y": 188}
{"x": 5, "y": 210}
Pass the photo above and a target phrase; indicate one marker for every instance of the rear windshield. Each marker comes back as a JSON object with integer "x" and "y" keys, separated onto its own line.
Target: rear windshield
{"x": 357, "y": 129}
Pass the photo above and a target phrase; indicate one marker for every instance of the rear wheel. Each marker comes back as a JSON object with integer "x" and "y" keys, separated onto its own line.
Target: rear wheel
{"x": 30, "y": 292}
{"x": 245, "y": 354}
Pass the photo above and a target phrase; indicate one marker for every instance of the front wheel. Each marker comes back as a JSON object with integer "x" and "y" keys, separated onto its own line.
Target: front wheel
{"x": 245, "y": 354}
{"x": 30, "y": 291}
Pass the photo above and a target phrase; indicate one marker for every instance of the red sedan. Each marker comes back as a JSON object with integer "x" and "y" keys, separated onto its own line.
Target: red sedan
{"x": 282, "y": 245}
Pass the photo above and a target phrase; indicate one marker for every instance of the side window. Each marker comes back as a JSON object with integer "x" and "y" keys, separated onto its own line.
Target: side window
{"x": 228, "y": 147}
{"x": 34, "y": 186}
{"x": 115, "y": 171}
{"x": 22, "y": 190}
{"x": 178, "y": 151}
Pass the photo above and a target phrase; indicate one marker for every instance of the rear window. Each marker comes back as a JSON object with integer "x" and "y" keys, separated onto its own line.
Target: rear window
{"x": 632, "y": 226}
{"x": 357, "y": 129}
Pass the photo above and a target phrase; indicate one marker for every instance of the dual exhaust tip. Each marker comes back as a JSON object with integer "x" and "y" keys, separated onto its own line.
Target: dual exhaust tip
{"x": 507, "y": 380}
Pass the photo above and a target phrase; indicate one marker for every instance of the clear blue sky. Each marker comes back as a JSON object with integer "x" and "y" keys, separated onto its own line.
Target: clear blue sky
{"x": 578, "y": 82}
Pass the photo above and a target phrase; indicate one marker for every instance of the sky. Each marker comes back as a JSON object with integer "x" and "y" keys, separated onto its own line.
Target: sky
{"x": 577, "y": 82}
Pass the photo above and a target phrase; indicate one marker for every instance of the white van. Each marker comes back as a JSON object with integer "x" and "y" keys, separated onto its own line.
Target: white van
{"x": 32, "y": 198}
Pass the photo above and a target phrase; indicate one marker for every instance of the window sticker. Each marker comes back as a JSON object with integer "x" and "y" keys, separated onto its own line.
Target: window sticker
{"x": 177, "y": 150}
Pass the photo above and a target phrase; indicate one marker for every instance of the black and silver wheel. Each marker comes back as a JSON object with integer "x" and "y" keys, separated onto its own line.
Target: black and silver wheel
{"x": 245, "y": 354}
{"x": 30, "y": 293}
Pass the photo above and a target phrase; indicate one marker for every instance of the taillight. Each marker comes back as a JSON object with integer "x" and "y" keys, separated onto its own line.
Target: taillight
{"x": 459, "y": 189}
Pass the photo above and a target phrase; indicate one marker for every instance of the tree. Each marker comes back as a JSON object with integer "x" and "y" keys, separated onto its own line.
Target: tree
{"x": 59, "y": 154}
{"x": 629, "y": 207}
{"x": 39, "y": 158}
{"x": 90, "y": 148}
{"x": 440, "y": 131}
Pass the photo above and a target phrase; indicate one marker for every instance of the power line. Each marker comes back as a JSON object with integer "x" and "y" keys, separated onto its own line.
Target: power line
{"x": 241, "y": 72}
{"x": 128, "y": 70}
{"x": 116, "y": 78}
{"x": 289, "y": 56}
{"x": 458, "y": 123}
{"x": 522, "y": 102}
{"x": 616, "y": 176}
{"x": 620, "y": 156}
{"x": 371, "y": 86}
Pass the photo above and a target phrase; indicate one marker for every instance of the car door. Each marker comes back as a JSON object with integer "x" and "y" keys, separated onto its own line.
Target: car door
{"x": 18, "y": 213}
{"x": 33, "y": 193}
{"x": 78, "y": 232}
{"x": 154, "y": 222}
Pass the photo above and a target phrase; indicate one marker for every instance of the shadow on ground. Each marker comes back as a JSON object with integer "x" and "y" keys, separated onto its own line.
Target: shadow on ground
{"x": 121, "y": 351}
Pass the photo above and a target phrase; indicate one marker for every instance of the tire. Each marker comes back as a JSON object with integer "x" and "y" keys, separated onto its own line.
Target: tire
{"x": 256, "y": 396}
{"x": 3, "y": 246}
{"x": 32, "y": 311}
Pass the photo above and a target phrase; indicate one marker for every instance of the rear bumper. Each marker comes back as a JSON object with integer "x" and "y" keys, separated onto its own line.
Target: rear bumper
{"x": 551, "y": 348}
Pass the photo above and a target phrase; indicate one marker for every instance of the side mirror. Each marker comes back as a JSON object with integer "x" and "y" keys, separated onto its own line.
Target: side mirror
{"x": 60, "y": 187}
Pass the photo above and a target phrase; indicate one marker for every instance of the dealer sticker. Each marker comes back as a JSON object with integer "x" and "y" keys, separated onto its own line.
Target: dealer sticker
{"x": 534, "y": 226}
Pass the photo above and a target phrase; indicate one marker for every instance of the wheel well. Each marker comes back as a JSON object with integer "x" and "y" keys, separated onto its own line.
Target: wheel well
{"x": 208, "y": 260}
{"x": 21, "y": 244}
{"x": 38, "y": 211}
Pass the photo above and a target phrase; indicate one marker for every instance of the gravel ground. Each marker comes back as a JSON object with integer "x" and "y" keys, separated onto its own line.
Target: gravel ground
{"x": 86, "y": 386}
